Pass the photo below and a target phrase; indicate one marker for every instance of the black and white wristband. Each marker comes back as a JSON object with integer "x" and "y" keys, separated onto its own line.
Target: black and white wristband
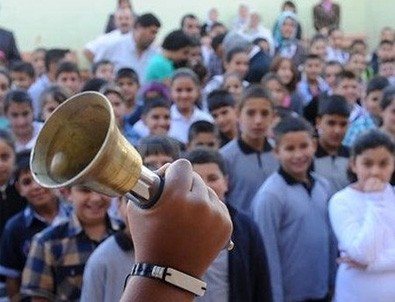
{"x": 171, "y": 276}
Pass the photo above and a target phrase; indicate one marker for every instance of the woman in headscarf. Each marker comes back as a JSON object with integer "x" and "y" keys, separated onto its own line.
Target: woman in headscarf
{"x": 285, "y": 38}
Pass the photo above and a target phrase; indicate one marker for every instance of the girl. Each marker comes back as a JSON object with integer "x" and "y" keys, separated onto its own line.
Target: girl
{"x": 288, "y": 74}
{"x": 285, "y": 38}
{"x": 10, "y": 201}
{"x": 185, "y": 93}
{"x": 51, "y": 98}
{"x": 236, "y": 60}
{"x": 363, "y": 218}
{"x": 234, "y": 84}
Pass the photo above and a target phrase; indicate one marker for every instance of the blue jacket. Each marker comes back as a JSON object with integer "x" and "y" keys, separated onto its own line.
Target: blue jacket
{"x": 249, "y": 279}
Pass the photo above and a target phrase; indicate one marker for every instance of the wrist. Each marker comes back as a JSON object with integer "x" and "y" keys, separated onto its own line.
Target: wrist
{"x": 169, "y": 276}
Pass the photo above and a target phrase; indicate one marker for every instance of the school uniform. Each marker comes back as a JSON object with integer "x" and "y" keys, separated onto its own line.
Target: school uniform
{"x": 293, "y": 220}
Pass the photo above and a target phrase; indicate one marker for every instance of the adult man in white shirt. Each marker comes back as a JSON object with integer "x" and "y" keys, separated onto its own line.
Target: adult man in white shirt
{"x": 123, "y": 21}
{"x": 134, "y": 50}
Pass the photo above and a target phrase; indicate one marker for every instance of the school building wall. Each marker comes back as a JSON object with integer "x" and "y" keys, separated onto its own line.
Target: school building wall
{"x": 72, "y": 23}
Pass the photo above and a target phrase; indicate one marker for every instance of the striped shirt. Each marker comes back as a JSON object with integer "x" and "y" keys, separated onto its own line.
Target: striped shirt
{"x": 56, "y": 261}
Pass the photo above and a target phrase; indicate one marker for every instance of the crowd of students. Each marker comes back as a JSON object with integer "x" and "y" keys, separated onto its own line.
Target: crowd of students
{"x": 296, "y": 137}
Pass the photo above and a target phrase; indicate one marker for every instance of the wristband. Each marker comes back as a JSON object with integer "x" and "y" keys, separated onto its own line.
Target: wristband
{"x": 171, "y": 276}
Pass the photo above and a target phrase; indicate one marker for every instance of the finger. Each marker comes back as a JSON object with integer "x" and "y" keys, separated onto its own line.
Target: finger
{"x": 178, "y": 176}
{"x": 199, "y": 190}
{"x": 162, "y": 170}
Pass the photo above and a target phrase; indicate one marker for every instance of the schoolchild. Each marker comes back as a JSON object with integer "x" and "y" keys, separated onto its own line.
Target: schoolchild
{"x": 241, "y": 274}
{"x": 331, "y": 157}
{"x": 363, "y": 216}
{"x": 291, "y": 211}
{"x": 249, "y": 157}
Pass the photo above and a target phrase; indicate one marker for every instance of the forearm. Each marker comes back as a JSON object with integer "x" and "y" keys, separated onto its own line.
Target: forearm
{"x": 150, "y": 290}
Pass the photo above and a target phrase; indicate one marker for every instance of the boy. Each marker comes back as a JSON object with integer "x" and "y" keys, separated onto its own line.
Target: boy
{"x": 335, "y": 51}
{"x": 331, "y": 157}
{"x": 203, "y": 133}
{"x": 109, "y": 272}
{"x": 44, "y": 209}
{"x": 371, "y": 117}
{"x": 18, "y": 109}
{"x": 222, "y": 107}
{"x": 245, "y": 267}
{"x": 157, "y": 150}
{"x": 128, "y": 80}
{"x": 249, "y": 157}
{"x": 22, "y": 75}
{"x": 347, "y": 85}
{"x": 175, "y": 52}
{"x": 68, "y": 75}
{"x": 103, "y": 69}
{"x": 291, "y": 211}
{"x": 57, "y": 257}
{"x": 387, "y": 69}
{"x": 312, "y": 84}
{"x": 155, "y": 119}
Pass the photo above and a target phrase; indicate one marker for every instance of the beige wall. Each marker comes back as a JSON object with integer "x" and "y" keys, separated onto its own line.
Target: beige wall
{"x": 72, "y": 23}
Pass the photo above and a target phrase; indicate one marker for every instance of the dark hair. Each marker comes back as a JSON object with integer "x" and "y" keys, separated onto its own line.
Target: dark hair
{"x": 185, "y": 72}
{"x": 219, "y": 98}
{"x": 7, "y": 137}
{"x": 217, "y": 41}
{"x": 356, "y": 42}
{"x": 275, "y": 66}
{"x": 290, "y": 4}
{"x": 205, "y": 155}
{"x": 292, "y": 124}
{"x": 112, "y": 88}
{"x": 388, "y": 97}
{"x": 317, "y": 37}
{"x": 127, "y": 73}
{"x": 66, "y": 66}
{"x": 377, "y": 83}
{"x": 159, "y": 144}
{"x": 147, "y": 20}
{"x": 54, "y": 56}
{"x": 93, "y": 84}
{"x": 333, "y": 104}
{"x": 185, "y": 17}
{"x": 18, "y": 96}
{"x": 201, "y": 127}
{"x": 232, "y": 52}
{"x": 255, "y": 91}
{"x": 176, "y": 40}
{"x": 24, "y": 67}
{"x": 312, "y": 56}
{"x": 158, "y": 102}
{"x": 345, "y": 75}
{"x": 96, "y": 65}
{"x": 370, "y": 139}
{"x": 271, "y": 76}
{"x": 386, "y": 42}
{"x": 57, "y": 92}
{"x": 22, "y": 163}
{"x": 334, "y": 63}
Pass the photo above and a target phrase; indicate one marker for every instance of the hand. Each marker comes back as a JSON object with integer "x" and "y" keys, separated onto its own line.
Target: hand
{"x": 373, "y": 184}
{"x": 187, "y": 227}
{"x": 351, "y": 263}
